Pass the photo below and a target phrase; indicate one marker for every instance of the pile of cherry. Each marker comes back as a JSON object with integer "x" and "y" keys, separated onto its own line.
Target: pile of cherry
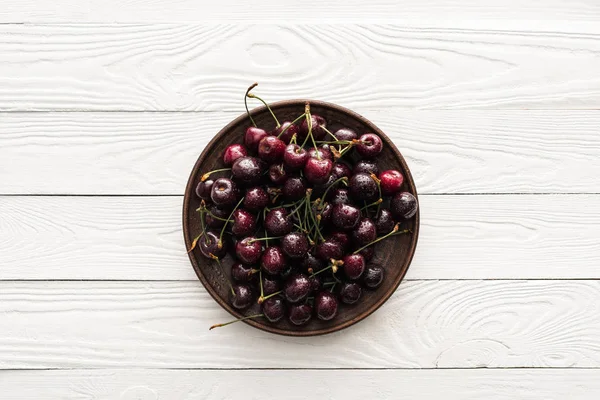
{"x": 300, "y": 209}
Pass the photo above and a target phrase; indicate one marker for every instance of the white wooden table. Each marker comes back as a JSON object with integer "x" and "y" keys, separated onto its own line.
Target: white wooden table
{"x": 105, "y": 106}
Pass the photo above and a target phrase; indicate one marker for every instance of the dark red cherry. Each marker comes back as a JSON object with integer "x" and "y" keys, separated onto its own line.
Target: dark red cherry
{"x": 318, "y": 171}
{"x": 270, "y": 285}
{"x": 364, "y": 233}
{"x": 242, "y": 272}
{"x": 209, "y": 244}
{"x": 354, "y": 266}
{"x": 277, "y": 174}
{"x": 329, "y": 249}
{"x": 203, "y": 189}
{"x": 370, "y": 145}
{"x": 340, "y": 196}
{"x": 241, "y": 297}
{"x": 256, "y": 199}
{"x": 253, "y": 136}
{"x": 342, "y": 238}
{"x": 248, "y": 170}
{"x": 340, "y": 170}
{"x": 368, "y": 253}
{"x": 224, "y": 192}
{"x": 325, "y": 212}
{"x": 318, "y": 123}
{"x": 366, "y": 166}
{"x": 384, "y": 222}
{"x": 345, "y": 134}
{"x": 373, "y": 276}
{"x": 403, "y": 205}
{"x": 294, "y": 188}
{"x": 311, "y": 264}
{"x": 326, "y": 306}
{"x": 391, "y": 181}
{"x": 273, "y": 308}
{"x": 315, "y": 283}
{"x": 215, "y": 216}
{"x": 296, "y": 288}
{"x": 363, "y": 187}
{"x": 271, "y": 149}
{"x": 323, "y": 152}
{"x": 273, "y": 260}
{"x": 295, "y": 157}
{"x": 300, "y": 314}
{"x": 345, "y": 216}
{"x": 295, "y": 244}
{"x": 244, "y": 223}
{"x": 233, "y": 152}
{"x": 350, "y": 292}
{"x": 248, "y": 250}
{"x": 277, "y": 222}
{"x": 289, "y": 129}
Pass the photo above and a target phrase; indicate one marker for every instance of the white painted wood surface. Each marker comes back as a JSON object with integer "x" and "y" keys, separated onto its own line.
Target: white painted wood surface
{"x": 107, "y": 104}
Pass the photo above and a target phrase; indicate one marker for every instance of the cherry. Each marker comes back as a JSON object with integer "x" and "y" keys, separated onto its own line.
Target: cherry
{"x": 373, "y": 276}
{"x": 340, "y": 170}
{"x": 224, "y": 192}
{"x": 273, "y": 260}
{"x": 209, "y": 245}
{"x": 233, "y": 152}
{"x": 295, "y": 157}
{"x": 300, "y": 314}
{"x": 203, "y": 189}
{"x": 277, "y": 174}
{"x": 271, "y": 149}
{"x": 253, "y": 136}
{"x": 241, "y": 297}
{"x": 244, "y": 223}
{"x": 318, "y": 123}
{"x": 329, "y": 249}
{"x": 403, "y": 205}
{"x": 288, "y": 129}
{"x": 256, "y": 199}
{"x": 345, "y": 216}
{"x": 366, "y": 166}
{"x": 242, "y": 272}
{"x": 350, "y": 292}
{"x": 391, "y": 181}
{"x": 363, "y": 187}
{"x": 365, "y": 232}
{"x": 216, "y": 217}
{"x": 342, "y": 238}
{"x": 370, "y": 145}
{"x": 315, "y": 283}
{"x": 321, "y": 152}
{"x": 326, "y": 306}
{"x": 354, "y": 266}
{"x": 345, "y": 134}
{"x": 273, "y": 309}
{"x": 384, "y": 221}
{"x": 368, "y": 253}
{"x": 318, "y": 171}
{"x": 296, "y": 288}
{"x": 295, "y": 245}
{"x": 277, "y": 222}
{"x": 270, "y": 285}
{"x": 340, "y": 196}
{"x": 248, "y": 170}
{"x": 311, "y": 264}
{"x": 248, "y": 250}
{"x": 324, "y": 212}
{"x": 294, "y": 188}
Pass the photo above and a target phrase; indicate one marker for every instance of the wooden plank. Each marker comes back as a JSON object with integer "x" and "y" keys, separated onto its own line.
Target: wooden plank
{"x": 451, "y": 11}
{"x": 462, "y": 237}
{"x": 541, "y": 384}
{"x": 426, "y": 324}
{"x": 524, "y": 151}
{"x": 207, "y": 67}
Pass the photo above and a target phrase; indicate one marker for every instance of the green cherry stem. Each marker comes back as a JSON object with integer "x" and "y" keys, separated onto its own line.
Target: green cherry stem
{"x": 393, "y": 231}
{"x": 246, "y": 102}
{"x": 288, "y": 127}
{"x": 264, "y": 238}
{"x": 329, "y": 133}
{"x": 372, "y": 204}
{"x": 253, "y": 96}
{"x": 378, "y": 182}
{"x": 220, "y": 244}
{"x": 208, "y": 174}
{"x": 333, "y": 267}
{"x": 261, "y": 299}
{"x": 342, "y": 179}
{"x": 262, "y": 292}
{"x": 235, "y": 320}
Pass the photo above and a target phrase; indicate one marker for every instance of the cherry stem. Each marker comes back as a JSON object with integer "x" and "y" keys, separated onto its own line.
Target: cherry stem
{"x": 261, "y": 299}
{"x": 334, "y": 141}
{"x": 332, "y": 267}
{"x": 378, "y": 182}
{"x": 330, "y": 134}
{"x": 220, "y": 244}
{"x": 393, "y": 231}
{"x": 290, "y": 125}
{"x": 206, "y": 175}
{"x": 222, "y": 271}
{"x": 251, "y": 95}
{"x": 372, "y": 204}
{"x": 264, "y": 238}
{"x": 246, "y": 102}
{"x": 218, "y": 218}
{"x": 262, "y": 293}
{"x": 202, "y": 210}
{"x": 297, "y": 208}
{"x": 342, "y": 179}
{"x": 235, "y": 320}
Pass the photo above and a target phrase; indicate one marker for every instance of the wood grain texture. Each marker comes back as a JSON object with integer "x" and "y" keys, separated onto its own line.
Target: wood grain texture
{"x": 453, "y": 11}
{"x": 426, "y": 324}
{"x": 207, "y": 67}
{"x": 477, "y": 151}
{"x": 462, "y": 237}
{"x": 541, "y": 384}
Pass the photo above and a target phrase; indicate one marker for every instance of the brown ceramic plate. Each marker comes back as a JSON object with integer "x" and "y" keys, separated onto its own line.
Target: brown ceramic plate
{"x": 394, "y": 254}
